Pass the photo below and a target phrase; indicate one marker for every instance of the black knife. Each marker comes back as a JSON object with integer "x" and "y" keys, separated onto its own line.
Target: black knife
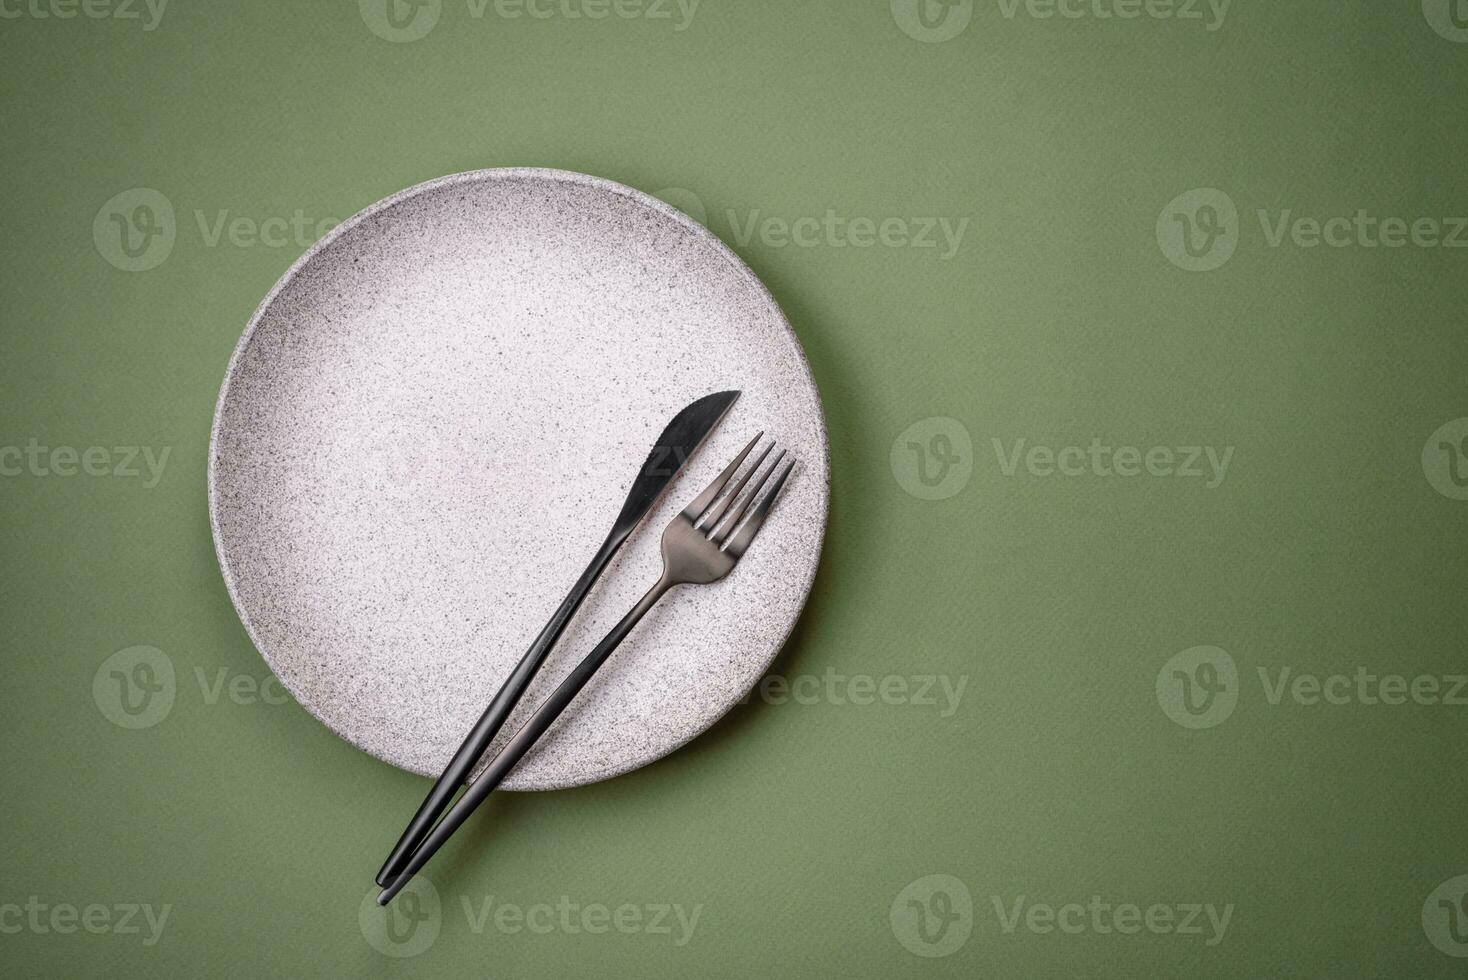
{"x": 679, "y": 441}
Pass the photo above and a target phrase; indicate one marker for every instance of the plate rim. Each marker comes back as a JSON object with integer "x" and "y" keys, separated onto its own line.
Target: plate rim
{"x": 493, "y": 174}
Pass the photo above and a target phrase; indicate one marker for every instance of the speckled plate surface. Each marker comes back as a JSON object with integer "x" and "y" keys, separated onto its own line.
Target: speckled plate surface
{"x": 430, "y": 424}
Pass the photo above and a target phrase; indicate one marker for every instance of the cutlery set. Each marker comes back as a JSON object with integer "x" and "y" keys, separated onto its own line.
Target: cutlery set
{"x": 700, "y": 546}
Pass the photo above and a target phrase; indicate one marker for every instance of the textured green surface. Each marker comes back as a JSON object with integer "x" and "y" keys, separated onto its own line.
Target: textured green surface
{"x": 1056, "y": 601}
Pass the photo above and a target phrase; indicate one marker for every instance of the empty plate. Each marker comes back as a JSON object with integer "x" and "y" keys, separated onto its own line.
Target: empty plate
{"x": 431, "y": 422}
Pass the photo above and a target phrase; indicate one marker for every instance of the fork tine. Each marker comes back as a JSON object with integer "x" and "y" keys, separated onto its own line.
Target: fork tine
{"x": 733, "y": 521}
{"x": 714, "y": 514}
{"x": 701, "y": 503}
{"x": 737, "y": 545}
{"x": 718, "y": 535}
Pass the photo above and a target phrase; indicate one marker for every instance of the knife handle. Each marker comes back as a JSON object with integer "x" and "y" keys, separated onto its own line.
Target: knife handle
{"x": 494, "y": 716}
{"x": 523, "y": 741}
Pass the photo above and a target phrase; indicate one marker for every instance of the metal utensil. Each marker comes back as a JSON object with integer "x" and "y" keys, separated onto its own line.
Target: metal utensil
{"x": 701, "y": 544}
{"x": 679, "y": 441}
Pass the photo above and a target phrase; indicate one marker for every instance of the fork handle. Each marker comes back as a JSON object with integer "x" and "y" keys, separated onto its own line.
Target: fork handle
{"x": 524, "y": 739}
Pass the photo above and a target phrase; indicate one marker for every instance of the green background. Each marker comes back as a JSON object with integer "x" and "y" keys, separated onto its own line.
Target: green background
{"x": 1059, "y": 320}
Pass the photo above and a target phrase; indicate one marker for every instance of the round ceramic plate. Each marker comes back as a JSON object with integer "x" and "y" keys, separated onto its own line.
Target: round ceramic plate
{"x": 430, "y": 424}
